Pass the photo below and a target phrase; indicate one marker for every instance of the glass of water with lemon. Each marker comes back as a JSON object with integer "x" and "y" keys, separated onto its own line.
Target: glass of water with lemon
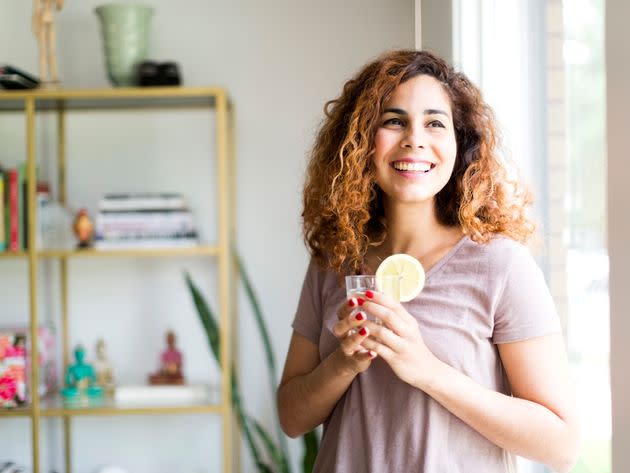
{"x": 400, "y": 276}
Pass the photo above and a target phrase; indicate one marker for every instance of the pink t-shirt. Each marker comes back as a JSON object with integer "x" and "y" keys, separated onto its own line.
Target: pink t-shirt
{"x": 476, "y": 296}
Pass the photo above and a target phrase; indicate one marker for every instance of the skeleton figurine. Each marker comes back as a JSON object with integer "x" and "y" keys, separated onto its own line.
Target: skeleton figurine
{"x": 44, "y": 30}
{"x": 103, "y": 368}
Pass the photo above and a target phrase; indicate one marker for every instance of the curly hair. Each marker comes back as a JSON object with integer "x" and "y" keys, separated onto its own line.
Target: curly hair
{"x": 343, "y": 206}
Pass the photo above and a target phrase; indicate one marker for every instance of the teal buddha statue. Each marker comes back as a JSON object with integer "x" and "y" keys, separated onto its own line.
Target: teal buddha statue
{"x": 81, "y": 379}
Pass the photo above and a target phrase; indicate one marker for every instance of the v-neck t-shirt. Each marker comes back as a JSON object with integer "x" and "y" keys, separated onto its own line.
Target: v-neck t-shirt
{"x": 475, "y": 297}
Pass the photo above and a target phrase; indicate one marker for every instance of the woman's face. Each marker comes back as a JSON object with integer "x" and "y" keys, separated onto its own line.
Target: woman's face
{"x": 415, "y": 145}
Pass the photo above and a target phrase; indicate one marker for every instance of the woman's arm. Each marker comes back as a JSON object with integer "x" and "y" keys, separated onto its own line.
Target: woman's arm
{"x": 310, "y": 389}
{"x": 539, "y": 422}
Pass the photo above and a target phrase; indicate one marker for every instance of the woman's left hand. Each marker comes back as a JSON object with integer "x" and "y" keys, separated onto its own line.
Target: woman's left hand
{"x": 398, "y": 340}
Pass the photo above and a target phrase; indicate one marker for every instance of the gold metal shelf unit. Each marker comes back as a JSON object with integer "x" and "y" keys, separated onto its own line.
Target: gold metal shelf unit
{"x": 29, "y": 103}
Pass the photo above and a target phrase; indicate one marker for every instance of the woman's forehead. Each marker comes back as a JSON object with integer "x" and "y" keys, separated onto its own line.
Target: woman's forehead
{"x": 420, "y": 90}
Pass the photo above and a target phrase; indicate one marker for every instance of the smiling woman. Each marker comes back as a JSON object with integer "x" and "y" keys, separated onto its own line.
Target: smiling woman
{"x": 472, "y": 370}
{"x": 370, "y": 114}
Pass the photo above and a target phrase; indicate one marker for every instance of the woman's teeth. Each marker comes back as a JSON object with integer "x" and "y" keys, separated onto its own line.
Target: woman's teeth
{"x": 418, "y": 167}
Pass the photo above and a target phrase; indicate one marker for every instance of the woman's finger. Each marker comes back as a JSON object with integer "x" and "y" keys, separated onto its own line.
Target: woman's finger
{"x": 385, "y": 336}
{"x": 387, "y": 301}
{"x": 352, "y": 304}
{"x": 387, "y": 316}
{"x": 379, "y": 349}
{"x": 351, "y": 343}
{"x": 350, "y": 322}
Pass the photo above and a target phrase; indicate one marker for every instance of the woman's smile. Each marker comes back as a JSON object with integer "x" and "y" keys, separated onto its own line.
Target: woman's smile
{"x": 412, "y": 168}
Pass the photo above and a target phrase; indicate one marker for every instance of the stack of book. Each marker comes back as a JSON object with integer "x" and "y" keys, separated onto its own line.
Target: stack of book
{"x": 144, "y": 220}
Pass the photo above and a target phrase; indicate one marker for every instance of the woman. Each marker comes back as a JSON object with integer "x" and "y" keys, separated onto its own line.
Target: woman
{"x": 473, "y": 370}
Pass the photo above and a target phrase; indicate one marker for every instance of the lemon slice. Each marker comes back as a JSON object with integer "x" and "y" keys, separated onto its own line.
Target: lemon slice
{"x": 408, "y": 269}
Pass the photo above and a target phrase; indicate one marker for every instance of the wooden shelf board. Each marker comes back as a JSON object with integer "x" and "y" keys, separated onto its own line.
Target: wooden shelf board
{"x": 106, "y": 98}
{"x": 13, "y": 254}
{"x": 15, "y": 412}
{"x": 131, "y": 252}
{"x": 56, "y": 408}
{"x": 203, "y": 250}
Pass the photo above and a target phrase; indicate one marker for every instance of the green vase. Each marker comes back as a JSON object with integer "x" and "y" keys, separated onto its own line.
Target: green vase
{"x": 125, "y": 32}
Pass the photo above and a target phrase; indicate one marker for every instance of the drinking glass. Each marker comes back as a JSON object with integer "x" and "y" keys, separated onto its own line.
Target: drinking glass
{"x": 357, "y": 285}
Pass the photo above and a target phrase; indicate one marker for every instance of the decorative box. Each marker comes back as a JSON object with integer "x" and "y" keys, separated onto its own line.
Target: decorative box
{"x": 15, "y": 364}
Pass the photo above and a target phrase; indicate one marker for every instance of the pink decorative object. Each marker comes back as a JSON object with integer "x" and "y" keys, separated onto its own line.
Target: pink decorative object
{"x": 12, "y": 370}
{"x": 15, "y": 364}
{"x": 170, "y": 364}
{"x": 8, "y": 389}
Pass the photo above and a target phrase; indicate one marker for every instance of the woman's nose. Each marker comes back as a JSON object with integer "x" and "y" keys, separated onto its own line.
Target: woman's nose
{"x": 414, "y": 138}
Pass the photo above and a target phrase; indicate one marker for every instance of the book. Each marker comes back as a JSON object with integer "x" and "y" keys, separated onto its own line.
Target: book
{"x": 144, "y": 224}
{"x": 2, "y": 226}
{"x": 13, "y": 214}
{"x": 142, "y": 201}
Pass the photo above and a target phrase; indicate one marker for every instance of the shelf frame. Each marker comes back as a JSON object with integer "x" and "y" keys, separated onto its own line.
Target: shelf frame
{"x": 60, "y": 101}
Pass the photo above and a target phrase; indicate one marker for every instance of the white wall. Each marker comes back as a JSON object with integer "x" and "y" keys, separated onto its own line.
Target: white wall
{"x": 437, "y": 27}
{"x": 618, "y": 117}
{"x": 280, "y": 60}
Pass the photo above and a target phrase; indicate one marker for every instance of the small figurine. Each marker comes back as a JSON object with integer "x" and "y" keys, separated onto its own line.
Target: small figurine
{"x": 103, "y": 368}
{"x": 80, "y": 379}
{"x": 170, "y": 364}
{"x": 43, "y": 23}
{"x": 83, "y": 228}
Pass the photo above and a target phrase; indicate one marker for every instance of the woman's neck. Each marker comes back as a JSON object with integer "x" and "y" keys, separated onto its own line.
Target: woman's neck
{"x": 415, "y": 230}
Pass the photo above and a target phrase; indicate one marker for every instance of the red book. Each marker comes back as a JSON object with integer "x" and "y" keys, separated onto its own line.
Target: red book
{"x": 13, "y": 230}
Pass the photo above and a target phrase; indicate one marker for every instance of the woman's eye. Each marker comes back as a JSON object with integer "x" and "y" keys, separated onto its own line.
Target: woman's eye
{"x": 435, "y": 124}
{"x": 393, "y": 122}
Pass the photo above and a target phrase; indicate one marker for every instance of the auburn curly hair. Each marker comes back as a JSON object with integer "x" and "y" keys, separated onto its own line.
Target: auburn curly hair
{"x": 343, "y": 206}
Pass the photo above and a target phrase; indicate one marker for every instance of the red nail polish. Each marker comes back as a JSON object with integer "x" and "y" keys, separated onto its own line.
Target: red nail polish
{"x": 369, "y": 294}
{"x": 351, "y": 302}
{"x": 363, "y": 332}
{"x": 359, "y": 316}
{"x": 360, "y": 301}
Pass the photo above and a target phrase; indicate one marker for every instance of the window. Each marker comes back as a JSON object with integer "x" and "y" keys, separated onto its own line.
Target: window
{"x": 588, "y": 320}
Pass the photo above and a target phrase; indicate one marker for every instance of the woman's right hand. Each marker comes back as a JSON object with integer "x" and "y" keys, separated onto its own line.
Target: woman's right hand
{"x": 351, "y": 332}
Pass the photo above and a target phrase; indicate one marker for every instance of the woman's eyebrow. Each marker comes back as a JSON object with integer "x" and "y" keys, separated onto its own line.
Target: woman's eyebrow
{"x": 428, "y": 111}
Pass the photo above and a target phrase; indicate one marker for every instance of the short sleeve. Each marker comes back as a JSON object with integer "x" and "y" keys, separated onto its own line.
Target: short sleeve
{"x": 308, "y": 317}
{"x": 525, "y": 308}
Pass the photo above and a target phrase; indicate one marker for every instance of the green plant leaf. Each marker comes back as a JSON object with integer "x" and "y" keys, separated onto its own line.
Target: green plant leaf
{"x": 260, "y": 322}
{"x": 279, "y": 454}
{"x": 311, "y": 447}
{"x": 208, "y": 321}
{"x": 274, "y": 452}
{"x": 264, "y": 334}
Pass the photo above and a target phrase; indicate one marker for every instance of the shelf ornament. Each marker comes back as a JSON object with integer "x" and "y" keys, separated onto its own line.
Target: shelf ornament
{"x": 80, "y": 379}
{"x": 43, "y": 23}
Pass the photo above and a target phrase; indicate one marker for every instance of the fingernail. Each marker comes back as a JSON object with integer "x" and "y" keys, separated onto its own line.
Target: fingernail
{"x": 351, "y": 302}
{"x": 369, "y": 294}
{"x": 360, "y": 301}
{"x": 372, "y": 354}
{"x": 363, "y": 332}
{"x": 359, "y": 316}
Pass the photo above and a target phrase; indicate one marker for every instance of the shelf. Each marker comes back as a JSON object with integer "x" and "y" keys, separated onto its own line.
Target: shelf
{"x": 54, "y": 407}
{"x": 13, "y": 254}
{"x": 15, "y": 412}
{"x": 208, "y": 250}
{"x": 77, "y": 103}
{"x": 112, "y": 98}
{"x": 204, "y": 250}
